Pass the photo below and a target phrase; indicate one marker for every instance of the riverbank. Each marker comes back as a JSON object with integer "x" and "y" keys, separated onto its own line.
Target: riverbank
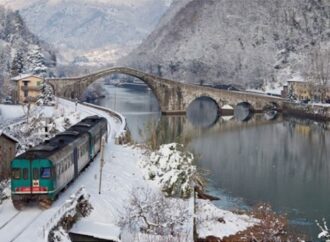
{"x": 122, "y": 178}
{"x": 317, "y": 112}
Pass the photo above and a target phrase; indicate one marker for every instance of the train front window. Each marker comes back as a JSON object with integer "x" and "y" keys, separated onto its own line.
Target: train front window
{"x": 45, "y": 172}
{"x": 25, "y": 174}
{"x": 35, "y": 173}
{"x": 16, "y": 173}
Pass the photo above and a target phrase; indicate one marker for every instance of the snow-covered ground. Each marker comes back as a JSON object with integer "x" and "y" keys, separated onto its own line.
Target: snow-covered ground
{"x": 122, "y": 177}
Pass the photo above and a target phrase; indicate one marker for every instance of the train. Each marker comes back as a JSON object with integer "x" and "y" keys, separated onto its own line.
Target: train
{"x": 42, "y": 172}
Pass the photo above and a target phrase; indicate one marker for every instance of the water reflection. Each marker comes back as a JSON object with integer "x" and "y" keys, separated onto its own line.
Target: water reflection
{"x": 138, "y": 105}
{"x": 243, "y": 111}
{"x": 284, "y": 162}
{"x": 203, "y": 112}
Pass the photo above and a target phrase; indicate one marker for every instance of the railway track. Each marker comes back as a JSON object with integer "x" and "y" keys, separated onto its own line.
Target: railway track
{"x": 9, "y": 220}
{"x": 18, "y": 234}
{"x": 18, "y": 224}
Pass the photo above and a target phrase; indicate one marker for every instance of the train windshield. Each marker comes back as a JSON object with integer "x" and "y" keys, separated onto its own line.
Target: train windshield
{"x": 16, "y": 173}
{"x": 25, "y": 173}
{"x": 45, "y": 172}
{"x": 35, "y": 173}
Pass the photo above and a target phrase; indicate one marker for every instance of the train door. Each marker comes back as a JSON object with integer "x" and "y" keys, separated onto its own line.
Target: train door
{"x": 42, "y": 178}
{"x": 75, "y": 161}
{"x": 35, "y": 175}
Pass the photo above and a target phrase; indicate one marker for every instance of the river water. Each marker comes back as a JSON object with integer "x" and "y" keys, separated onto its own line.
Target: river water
{"x": 283, "y": 162}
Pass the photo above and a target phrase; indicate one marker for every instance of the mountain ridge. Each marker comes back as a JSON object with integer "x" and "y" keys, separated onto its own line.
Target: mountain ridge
{"x": 77, "y": 28}
{"x": 248, "y": 43}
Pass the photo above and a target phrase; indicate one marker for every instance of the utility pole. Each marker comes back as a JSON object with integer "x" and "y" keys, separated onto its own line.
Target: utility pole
{"x": 76, "y": 104}
{"x": 101, "y": 162}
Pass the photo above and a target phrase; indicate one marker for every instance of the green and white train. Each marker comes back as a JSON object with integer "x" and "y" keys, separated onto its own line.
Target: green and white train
{"x": 42, "y": 172}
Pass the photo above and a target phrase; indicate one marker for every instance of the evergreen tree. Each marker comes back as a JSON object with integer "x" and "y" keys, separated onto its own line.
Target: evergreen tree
{"x": 36, "y": 61}
{"x": 17, "y": 65}
{"x": 47, "y": 96}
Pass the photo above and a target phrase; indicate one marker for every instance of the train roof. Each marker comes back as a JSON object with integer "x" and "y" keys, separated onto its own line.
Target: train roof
{"x": 49, "y": 147}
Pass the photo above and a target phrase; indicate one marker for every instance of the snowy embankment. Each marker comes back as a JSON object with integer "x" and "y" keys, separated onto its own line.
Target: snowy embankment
{"x": 171, "y": 169}
{"x": 125, "y": 196}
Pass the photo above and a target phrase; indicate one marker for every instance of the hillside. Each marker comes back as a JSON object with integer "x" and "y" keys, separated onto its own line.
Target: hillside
{"x": 91, "y": 31}
{"x": 249, "y": 43}
{"x": 20, "y": 50}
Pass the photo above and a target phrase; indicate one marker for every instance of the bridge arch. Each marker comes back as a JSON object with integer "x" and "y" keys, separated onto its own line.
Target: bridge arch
{"x": 243, "y": 111}
{"x": 203, "y": 112}
{"x": 74, "y": 87}
{"x": 173, "y": 97}
{"x": 271, "y": 106}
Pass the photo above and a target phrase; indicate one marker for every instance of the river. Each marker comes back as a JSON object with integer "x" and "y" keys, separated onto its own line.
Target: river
{"x": 283, "y": 162}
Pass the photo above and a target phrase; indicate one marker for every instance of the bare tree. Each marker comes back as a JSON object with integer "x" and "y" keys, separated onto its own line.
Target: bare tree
{"x": 151, "y": 213}
{"x": 318, "y": 72}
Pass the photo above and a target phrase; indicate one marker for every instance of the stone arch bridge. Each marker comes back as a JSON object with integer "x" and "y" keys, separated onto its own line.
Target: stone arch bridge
{"x": 173, "y": 97}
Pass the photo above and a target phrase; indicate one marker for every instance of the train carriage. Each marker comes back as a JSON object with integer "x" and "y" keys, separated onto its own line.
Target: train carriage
{"x": 43, "y": 171}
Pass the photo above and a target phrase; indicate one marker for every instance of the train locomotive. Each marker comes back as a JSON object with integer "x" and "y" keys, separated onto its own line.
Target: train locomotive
{"x": 42, "y": 172}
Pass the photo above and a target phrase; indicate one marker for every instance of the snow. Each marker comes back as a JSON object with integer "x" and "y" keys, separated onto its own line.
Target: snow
{"x": 121, "y": 177}
{"x": 320, "y": 104}
{"x": 21, "y": 76}
{"x": 11, "y": 111}
{"x": 61, "y": 236}
{"x": 208, "y": 223}
{"x": 268, "y": 89}
{"x": 171, "y": 168}
{"x": 227, "y": 118}
{"x": 31, "y": 131}
{"x": 227, "y": 106}
{"x": 97, "y": 230}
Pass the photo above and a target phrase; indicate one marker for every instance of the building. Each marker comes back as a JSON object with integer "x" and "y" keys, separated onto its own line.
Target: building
{"x": 300, "y": 90}
{"x": 28, "y": 87}
{"x": 8, "y": 147}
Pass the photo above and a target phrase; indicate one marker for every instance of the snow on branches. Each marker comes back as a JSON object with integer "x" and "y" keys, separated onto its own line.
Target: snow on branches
{"x": 171, "y": 167}
{"x": 47, "y": 96}
{"x": 325, "y": 232}
{"x": 39, "y": 126}
{"x": 149, "y": 212}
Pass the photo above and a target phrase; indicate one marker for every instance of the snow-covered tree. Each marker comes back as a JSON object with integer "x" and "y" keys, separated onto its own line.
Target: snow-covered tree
{"x": 171, "y": 167}
{"x": 36, "y": 60}
{"x": 150, "y": 212}
{"x": 20, "y": 50}
{"x": 47, "y": 95}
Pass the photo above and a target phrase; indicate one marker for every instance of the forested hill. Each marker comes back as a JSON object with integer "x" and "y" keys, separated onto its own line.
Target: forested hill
{"x": 92, "y": 32}
{"x": 232, "y": 41}
{"x": 20, "y": 50}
